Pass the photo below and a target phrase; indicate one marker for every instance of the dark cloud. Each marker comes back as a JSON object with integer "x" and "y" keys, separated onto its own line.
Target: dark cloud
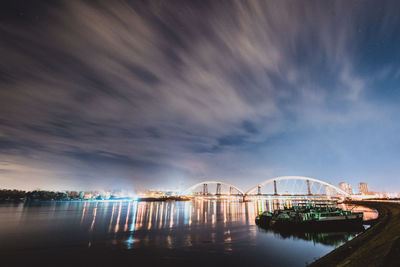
{"x": 249, "y": 127}
{"x": 231, "y": 140}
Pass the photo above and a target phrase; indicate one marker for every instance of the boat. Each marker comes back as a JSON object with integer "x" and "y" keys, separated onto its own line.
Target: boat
{"x": 311, "y": 217}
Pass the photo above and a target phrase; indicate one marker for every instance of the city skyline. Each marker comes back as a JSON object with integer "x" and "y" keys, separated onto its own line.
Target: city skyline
{"x": 165, "y": 94}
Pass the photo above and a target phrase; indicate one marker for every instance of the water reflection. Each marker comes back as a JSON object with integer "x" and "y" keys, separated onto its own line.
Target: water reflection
{"x": 193, "y": 230}
{"x": 137, "y": 222}
{"x": 94, "y": 217}
{"x": 328, "y": 238}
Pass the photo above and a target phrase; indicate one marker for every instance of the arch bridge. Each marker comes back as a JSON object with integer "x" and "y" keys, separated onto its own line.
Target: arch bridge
{"x": 295, "y": 186}
{"x": 220, "y": 190}
{"x": 298, "y": 186}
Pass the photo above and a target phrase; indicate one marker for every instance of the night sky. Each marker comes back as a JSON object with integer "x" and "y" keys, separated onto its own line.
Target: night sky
{"x": 164, "y": 94}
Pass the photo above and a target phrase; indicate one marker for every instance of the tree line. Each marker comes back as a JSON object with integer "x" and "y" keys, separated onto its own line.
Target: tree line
{"x": 19, "y": 195}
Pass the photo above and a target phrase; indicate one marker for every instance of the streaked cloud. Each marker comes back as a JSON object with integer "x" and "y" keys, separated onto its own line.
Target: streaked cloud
{"x": 165, "y": 93}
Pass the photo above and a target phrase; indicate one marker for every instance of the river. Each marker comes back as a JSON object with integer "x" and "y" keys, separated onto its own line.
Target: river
{"x": 137, "y": 233}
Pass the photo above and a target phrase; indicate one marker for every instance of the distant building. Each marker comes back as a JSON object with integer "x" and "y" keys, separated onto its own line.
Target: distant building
{"x": 363, "y": 188}
{"x": 88, "y": 196}
{"x": 346, "y": 187}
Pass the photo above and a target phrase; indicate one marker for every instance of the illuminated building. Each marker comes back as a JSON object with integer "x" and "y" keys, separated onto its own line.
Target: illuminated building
{"x": 346, "y": 187}
{"x": 363, "y": 188}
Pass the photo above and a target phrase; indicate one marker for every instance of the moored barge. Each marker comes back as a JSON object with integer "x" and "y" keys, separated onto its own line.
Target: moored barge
{"x": 311, "y": 217}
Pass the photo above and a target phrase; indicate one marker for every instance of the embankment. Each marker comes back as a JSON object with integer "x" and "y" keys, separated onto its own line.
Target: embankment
{"x": 377, "y": 246}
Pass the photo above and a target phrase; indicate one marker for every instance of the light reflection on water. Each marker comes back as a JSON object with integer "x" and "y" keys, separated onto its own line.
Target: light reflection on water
{"x": 219, "y": 227}
{"x": 144, "y": 217}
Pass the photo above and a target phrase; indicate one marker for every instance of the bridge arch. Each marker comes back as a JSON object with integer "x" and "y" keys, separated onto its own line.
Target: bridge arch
{"x": 308, "y": 179}
{"x": 211, "y": 182}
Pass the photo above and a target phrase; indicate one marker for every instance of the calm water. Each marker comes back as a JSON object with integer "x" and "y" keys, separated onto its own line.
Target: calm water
{"x": 152, "y": 233}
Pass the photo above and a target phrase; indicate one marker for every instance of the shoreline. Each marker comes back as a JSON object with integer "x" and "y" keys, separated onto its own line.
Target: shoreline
{"x": 145, "y": 199}
{"x": 379, "y": 245}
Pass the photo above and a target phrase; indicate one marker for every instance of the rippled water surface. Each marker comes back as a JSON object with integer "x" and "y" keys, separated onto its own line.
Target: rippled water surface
{"x": 132, "y": 233}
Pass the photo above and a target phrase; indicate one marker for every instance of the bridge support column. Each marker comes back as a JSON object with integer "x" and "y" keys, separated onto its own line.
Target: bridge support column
{"x": 259, "y": 190}
{"x": 308, "y": 187}
{"x": 230, "y": 190}
{"x": 328, "y": 192}
{"x": 205, "y": 189}
{"x": 275, "y": 189}
{"x": 218, "y": 189}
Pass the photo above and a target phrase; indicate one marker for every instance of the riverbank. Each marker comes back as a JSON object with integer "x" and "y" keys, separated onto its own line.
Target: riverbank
{"x": 377, "y": 246}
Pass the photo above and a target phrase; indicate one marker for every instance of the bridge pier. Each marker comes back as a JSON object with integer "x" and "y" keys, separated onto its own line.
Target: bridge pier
{"x": 259, "y": 190}
{"x": 275, "y": 189}
{"x": 218, "y": 189}
{"x": 308, "y": 188}
{"x": 205, "y": 189}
